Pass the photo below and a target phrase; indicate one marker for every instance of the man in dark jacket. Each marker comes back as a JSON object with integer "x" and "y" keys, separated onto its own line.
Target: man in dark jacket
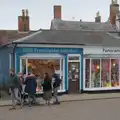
{"x": 14, "y": 88}
{"x": 56, "y": 84}
{"x": 30, "y": 88}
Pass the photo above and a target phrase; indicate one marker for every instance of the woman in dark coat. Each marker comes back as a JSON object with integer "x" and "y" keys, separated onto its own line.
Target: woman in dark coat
{"x": 30, "y": 88}
{"x": 47, "y": 88}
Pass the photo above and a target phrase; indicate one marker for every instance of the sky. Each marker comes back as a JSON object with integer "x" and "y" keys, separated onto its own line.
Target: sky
{"x": 41, "y": 11}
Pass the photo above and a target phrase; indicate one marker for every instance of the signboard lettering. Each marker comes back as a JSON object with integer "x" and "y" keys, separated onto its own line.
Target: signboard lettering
{"x": 107, "y": 50}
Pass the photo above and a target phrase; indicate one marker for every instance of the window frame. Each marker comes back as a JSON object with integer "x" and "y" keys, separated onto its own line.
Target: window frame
{"x": 98, "y": 88}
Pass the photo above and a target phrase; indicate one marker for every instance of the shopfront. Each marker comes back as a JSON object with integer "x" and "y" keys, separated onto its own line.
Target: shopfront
{"x": 67, "y": 63}
{"x": 101, "y": 68}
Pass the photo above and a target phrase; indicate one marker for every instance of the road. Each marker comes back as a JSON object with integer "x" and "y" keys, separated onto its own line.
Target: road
{"x": 83, "y": 110}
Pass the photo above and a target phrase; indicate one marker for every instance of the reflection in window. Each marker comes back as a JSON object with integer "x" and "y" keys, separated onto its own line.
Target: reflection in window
{"x": 95, "y": 73}
{"x": 24, "y": 66}
{"x": 114, "y": 72}
{"x": 87, "y": 73}
{"x": 105, "y": 73}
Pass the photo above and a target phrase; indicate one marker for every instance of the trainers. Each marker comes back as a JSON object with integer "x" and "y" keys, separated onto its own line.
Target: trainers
{"x": 56, "y": 103}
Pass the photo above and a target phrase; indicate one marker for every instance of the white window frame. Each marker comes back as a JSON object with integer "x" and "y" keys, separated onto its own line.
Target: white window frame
{"x": 45, "y": 56}
{"x": 100, "y": 88}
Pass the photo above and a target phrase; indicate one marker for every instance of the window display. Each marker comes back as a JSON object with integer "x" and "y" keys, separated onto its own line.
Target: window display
{"x": 114, "y": 72}
{"x": 41, "y": 66}
{"x": 103, "y": 72}
{"x": 95, "y": 73}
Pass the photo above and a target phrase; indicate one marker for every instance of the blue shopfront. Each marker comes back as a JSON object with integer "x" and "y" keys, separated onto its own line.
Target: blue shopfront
{"x": 68, "y": 64}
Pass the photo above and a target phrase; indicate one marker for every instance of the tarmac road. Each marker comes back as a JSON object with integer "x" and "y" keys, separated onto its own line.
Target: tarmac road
{"x": 83, "y": 110}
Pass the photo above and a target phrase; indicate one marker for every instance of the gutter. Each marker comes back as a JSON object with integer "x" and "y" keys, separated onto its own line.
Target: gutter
{"x": 14, "y": 47}
{"x": 46, "y": 43}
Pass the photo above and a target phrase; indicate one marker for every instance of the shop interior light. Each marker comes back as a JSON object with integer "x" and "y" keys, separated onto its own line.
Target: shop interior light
{"x": 98, "y": 67}
{"x": 114, "y": 64}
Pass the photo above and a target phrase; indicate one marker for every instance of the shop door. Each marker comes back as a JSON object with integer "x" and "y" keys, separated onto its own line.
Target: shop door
{"x": 74, "y": 74}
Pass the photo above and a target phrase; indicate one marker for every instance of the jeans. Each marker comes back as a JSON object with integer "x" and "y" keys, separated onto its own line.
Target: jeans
{"x": 15, "y": 96}
{"x": 29, "y": 99}
{"x": 55, "y": 92}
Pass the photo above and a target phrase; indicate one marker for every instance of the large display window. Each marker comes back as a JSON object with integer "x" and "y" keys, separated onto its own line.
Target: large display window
{"x": 41, "y": 65}
{"x": 102, "y": 72}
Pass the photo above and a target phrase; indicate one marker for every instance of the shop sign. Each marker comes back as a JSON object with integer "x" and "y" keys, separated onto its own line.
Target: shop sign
{"x": 49, "y": 50}
{"x": 102, "y": 51}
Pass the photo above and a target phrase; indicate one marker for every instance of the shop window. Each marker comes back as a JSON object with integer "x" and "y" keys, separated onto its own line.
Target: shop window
{"x": 39, "y": 67}
{"x": 115, "y": 72}
{"x": 105, "y": 73}
{"x": 74, "y": 57}
{"x": 95, "y": 73}
{"x": 87, "y": 73}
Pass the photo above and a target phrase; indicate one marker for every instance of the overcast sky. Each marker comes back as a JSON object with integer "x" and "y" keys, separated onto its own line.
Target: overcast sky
{"x": 41, "y": 11}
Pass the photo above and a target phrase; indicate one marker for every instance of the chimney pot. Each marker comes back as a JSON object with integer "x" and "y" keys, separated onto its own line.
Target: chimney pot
{"x": 23, "y": 12}
{"x": 98, "y": 17}
{"x": 26, "y": 12}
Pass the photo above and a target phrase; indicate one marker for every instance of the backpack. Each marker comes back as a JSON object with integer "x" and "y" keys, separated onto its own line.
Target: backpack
{"x": 57, "y": 80}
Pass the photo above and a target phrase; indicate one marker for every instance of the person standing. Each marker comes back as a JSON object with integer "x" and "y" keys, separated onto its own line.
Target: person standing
{"x": 56, "y": 84}
{"x": 14, "y": 86}
{"x": 30, "y": 88}
{"x": 47, "y": 88}
{"x": 22, "y": 86}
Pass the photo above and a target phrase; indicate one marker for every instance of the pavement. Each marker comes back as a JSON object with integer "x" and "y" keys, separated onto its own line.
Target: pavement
{"x": 74, "y": 97}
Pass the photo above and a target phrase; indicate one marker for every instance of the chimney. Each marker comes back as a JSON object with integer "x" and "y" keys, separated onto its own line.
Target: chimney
{"x": 57, "y": 12}
{"x": 114, "y": 9}
{"x": 98, "y": 17}
{"x": 23, "y": 21}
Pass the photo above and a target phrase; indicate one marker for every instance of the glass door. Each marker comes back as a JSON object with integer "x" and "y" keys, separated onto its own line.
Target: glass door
{"x": 74, "y": 73}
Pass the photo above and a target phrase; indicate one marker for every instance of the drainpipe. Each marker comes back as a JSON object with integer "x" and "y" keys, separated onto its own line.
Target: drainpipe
{"x": 13, "y": 62}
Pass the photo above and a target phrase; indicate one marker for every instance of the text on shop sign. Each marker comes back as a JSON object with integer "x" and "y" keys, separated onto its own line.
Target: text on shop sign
{"x": 54, "y": 50}
{"x": 111, "y": 50}
{"x": 50, "y": 50}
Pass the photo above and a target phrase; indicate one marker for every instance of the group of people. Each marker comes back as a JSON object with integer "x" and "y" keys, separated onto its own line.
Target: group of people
{"x": 21, "y": 84}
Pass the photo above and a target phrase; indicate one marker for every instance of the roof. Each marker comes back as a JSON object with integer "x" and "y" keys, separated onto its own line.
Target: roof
{"x": 7, "y": 36}
{"x": 66, "y": 37}
{"x": 57, "y": 24}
